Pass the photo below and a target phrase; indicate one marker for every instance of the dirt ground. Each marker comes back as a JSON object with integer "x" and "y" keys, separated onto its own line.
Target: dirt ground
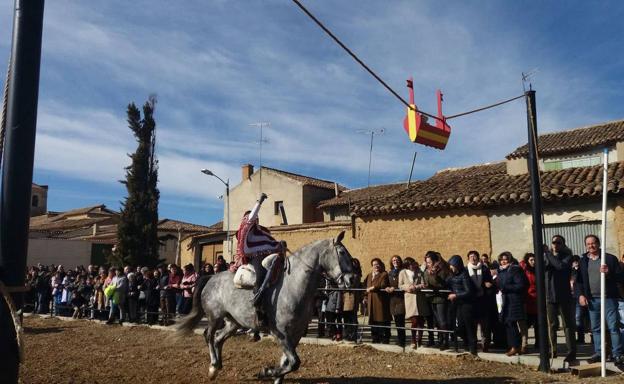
{"x": 86, "y": 352}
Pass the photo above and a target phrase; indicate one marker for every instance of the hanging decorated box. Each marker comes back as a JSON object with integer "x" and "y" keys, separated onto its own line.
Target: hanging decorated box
{"x": 418, "y": 129}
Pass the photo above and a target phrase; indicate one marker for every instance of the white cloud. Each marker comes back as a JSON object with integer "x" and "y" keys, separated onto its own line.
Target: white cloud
{"x": 219, "y": 66}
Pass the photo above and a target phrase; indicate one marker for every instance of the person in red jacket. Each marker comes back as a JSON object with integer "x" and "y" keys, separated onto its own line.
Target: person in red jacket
{"x": 528, "y": 265}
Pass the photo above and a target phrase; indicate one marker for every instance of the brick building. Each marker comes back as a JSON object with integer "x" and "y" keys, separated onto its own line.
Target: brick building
{"x": 487, "y": 207}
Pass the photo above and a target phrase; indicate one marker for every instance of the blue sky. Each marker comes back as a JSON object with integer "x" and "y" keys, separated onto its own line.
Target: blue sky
{"x": 218, "y": 66}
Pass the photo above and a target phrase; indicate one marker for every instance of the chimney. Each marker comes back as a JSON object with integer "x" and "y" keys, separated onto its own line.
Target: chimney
{"x": 336, "y": 189}
{"x": 247, "y": 171}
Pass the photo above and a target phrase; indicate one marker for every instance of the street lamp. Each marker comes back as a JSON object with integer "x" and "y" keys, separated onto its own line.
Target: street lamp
{"x": 227, "y": 194}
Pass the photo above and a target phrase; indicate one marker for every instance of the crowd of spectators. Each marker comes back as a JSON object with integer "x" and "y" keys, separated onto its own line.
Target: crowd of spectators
{"x": 456, "y": 297}
{"x": 116, "y": 294}
{"x": 450, "y": 298}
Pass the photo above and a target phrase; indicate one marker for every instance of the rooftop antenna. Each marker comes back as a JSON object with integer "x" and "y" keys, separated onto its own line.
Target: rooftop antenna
{"x": 526, "y": 78}
{"x": 261, "y": 125}
{"x": 372, "y": 133}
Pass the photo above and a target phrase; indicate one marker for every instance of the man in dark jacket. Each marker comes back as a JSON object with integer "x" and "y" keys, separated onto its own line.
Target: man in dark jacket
{"x": 463, "y": 299}
{"x": 165, "y": 295}
{"x": 588, "y": 288}
{"x": 558, "y": 267}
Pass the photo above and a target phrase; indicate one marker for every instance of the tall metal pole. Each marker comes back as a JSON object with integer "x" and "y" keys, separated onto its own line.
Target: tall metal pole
{"x": 227, "y": 235}
{"x": 603, "y": 250}
{"x": 538, "y": 241}
{"x": 370, "y": 157}
{"x": 17, "y": 171}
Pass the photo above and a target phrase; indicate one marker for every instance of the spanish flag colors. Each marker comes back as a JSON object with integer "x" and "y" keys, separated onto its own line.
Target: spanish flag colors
{"x": 419, "y": 130}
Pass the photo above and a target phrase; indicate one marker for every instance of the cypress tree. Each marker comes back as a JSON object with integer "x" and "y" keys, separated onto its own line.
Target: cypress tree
{"x": 137, "y": 233}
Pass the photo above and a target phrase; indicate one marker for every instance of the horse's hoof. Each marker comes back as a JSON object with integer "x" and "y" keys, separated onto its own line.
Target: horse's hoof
{"x": 278, "y": 380}
{"x": 265, "y": 373}
{"x": 212, "y": 373}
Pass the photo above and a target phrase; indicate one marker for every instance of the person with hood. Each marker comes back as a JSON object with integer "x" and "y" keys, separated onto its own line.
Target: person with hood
{"x": 559, "y": 300}
{"x": 512, "y": 283}
{"x": 462, "y": 299}
{"x": 333, "y": 310}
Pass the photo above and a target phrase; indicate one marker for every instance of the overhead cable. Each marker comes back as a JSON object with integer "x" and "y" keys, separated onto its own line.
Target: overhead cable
{"x": 484, "y": 108}
{"x": 354, "y": 56}
{"x": 380, "y": 80}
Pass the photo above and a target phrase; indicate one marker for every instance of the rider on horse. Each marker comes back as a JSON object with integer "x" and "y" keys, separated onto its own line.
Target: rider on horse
{"x": 254, "y": 244}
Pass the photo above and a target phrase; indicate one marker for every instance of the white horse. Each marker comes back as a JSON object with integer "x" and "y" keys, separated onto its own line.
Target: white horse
{"x": 288, "y": 304}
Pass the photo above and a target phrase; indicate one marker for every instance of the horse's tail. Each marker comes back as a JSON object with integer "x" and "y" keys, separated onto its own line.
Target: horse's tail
{"x": 190, "y": 321}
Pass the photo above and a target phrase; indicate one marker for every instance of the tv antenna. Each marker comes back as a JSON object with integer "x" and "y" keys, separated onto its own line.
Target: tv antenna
{"x": 372, "y": 133}
{"x": 261, "y": 125}
{"x": 526, "y": 78}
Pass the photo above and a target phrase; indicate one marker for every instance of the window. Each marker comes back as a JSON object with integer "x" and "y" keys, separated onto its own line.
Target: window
{"x": 35, "y": 201}
{"x": 278, "y": 207}
{"x": 555, "y": 165}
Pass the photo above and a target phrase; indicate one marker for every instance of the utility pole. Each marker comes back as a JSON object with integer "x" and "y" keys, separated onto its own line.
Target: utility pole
{"x": 411, "y": 170}
{"x": 372, "y": 133}
{"x": 538, "y": 241}
{"x": 17, "y": 171}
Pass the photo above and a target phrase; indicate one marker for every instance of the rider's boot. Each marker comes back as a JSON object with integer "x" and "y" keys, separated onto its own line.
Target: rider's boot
{"x": 257, "y": 300}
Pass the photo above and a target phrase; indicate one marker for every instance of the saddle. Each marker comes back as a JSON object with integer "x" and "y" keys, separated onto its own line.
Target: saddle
{"x": 245, "y": 276}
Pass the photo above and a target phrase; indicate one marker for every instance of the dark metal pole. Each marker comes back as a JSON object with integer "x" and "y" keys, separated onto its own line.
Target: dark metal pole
{"x": 538, "y": 241}
{"x": 17, "y": 168}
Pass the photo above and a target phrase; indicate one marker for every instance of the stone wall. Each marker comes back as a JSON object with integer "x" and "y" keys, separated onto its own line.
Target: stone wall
{"x": 408, "y": 235}
{"x": 413, "y": 235}
{"x": 619, "y": 224}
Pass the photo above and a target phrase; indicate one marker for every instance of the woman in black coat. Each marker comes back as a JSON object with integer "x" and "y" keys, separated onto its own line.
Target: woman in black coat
{"x": 512, "y": 283}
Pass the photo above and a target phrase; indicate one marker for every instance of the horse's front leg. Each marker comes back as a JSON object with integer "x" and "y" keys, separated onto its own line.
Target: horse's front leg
{"x": 289, "y": 362}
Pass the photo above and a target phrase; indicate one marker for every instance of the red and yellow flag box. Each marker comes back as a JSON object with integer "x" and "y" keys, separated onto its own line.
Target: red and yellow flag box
{"x": 419, "y": 130}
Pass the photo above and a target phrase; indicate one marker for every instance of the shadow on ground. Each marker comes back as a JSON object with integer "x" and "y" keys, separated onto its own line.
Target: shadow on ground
{"x": 41, "y": 331}
{"x": 382, "y": 380}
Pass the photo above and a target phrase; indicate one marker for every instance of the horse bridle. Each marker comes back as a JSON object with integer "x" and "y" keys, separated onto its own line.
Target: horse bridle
{"x": 339, "y": 279}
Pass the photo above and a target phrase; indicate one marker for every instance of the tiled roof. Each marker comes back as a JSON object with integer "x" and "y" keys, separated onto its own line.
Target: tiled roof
{"x": 306, "y": 180}
{"x": 96, "y": 209}
{"x": 42, "y": 219}
{"x": 489, "y": 185}
{"x": 353, "y": 196}
{"x": 39, "y": 186}
{"x": 63, "y": 225}
{"x": 575, "y": 140}
{"x": 173, "y": 225}
{"x": 218, "y": 226}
